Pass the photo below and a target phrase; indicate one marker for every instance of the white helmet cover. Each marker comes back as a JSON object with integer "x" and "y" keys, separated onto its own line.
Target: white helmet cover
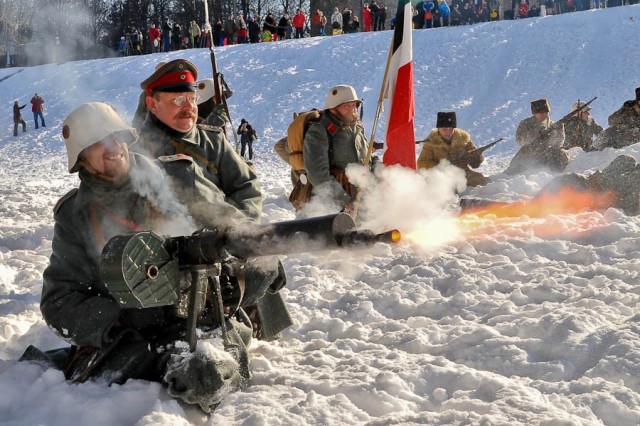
{"x": 90, "y": 123}
{"x": 205, "y": 89}
{"x": 340, "y": 94}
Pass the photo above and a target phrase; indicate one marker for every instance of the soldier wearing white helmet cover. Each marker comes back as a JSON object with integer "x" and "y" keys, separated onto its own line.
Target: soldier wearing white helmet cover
{"x": 122, "y": 192}
{"x": 581, "y": 129}
{"x": 334, "y": 142}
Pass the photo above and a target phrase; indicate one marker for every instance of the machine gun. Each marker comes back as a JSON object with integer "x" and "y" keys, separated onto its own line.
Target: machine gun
{"x": 144, "y": 270}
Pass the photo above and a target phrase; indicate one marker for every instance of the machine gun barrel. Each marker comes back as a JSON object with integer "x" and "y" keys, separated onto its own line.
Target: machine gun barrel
{"x": 304, "y": 235}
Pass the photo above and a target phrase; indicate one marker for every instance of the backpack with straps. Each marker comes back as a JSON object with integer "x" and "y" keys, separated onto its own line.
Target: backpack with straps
{"x": 295, "y": 135}
{"x": 302, "y": 189}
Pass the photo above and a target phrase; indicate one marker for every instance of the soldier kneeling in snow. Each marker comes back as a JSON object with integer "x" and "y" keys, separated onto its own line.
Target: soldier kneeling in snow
{"x": 449, "y": 142}
{"x": 121, "y": 192}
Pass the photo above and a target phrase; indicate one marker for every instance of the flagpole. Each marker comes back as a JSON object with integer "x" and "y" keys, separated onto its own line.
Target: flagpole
{"x": 383, "y": 89}
{"x": 379, "y": 107}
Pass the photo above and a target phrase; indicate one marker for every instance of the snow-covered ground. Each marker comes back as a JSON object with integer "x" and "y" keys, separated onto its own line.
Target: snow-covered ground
{"x": 473, "y": 320}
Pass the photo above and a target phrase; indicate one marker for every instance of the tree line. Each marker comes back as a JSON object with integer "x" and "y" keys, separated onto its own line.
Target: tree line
{"x": 34, "y": 32}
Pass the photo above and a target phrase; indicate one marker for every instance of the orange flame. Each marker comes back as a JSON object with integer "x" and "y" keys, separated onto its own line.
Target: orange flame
{"x": 565, "y": 201}
{"x": 543, "y": 216}
{"x": 540, "y": 214}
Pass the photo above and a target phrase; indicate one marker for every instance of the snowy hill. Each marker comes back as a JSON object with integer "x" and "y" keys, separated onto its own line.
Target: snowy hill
{"x": 475, "y": 320}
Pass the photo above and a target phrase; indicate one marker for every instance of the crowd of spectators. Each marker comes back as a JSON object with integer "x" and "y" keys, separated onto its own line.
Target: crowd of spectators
{"x": 373, "y": 17}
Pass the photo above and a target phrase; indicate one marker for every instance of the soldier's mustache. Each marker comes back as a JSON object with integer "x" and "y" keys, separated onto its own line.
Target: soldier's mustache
{"x": 186, "y": 114}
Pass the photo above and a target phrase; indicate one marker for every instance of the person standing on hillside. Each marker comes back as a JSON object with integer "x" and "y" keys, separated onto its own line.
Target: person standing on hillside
{"x": 166, "y": 35}
{"x": 448, "y": 142}
{"x": 37, "y": 107}
{"x": 367, "y": 18}
{"x": 196, "y": 32}
{"x": 17, "y": 118}
{"x": 316, "y": 23}
{"x": 154, "y": 39}
{"x": 299, "y": 21}
{"x": 247, "y": 136}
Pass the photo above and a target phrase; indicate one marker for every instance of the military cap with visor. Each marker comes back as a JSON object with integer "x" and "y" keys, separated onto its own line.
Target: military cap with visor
{"x": 175, "y": 76}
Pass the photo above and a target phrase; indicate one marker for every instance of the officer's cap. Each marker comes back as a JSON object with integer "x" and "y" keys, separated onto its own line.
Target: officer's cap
{"x": 90, "y": 123}
{"x": 540, "y": 106}
{"x": 178, "y": 75}
{"x": 446, "y": 119}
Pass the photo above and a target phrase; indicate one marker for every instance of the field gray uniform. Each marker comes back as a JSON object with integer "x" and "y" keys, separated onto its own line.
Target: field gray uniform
{"x": 624, "y": 127}
{"x": 75, "y": 303}
{"x": 209, "y": 147}
{"x": 324, "y": 154}
{"x": 541, "y": 144}
{"x": 579, "y": 133}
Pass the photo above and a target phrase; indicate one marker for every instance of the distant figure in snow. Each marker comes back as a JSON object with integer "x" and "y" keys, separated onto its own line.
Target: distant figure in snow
{"x": 37, "y": 107}
{"x": 17, "y": 118}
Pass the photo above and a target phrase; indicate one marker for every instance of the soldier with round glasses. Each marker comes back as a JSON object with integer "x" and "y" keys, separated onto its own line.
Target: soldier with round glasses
{"x": 171, "y": 128}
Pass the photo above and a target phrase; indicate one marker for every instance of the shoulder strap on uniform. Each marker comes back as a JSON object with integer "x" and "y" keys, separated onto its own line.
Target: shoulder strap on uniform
{"x": 210, "y": 128}
{"x": 63, "y": 199}
{"x": 182, "y": 148}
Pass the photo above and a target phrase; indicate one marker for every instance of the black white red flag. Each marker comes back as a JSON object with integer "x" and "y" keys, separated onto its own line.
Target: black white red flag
{"x": 400, "y": 138}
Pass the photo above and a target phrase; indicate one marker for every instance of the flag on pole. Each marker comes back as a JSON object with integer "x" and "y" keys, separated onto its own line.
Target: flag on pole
{"x": 400, "y": 138}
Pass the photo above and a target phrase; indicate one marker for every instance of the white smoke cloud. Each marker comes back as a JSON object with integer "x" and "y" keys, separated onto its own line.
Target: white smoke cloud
{"x": 156, "y": 187}
{"x": 423, "y": 205}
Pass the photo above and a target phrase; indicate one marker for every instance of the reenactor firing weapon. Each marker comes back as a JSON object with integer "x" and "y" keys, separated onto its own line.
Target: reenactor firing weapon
{"x": 464, "y": 159}
{"x": 574, "y": 113}
{"x": 144, "y": 270}
{"x": 221, "y": 90}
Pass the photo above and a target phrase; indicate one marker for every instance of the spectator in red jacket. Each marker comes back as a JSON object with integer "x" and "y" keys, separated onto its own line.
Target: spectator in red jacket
{"x": 367, "y": 18}
{"x": 154, "y": 38}
{"x": 37, "y": 107}
{"x": 298, "y": 23}
{"x": 523, "y": 10}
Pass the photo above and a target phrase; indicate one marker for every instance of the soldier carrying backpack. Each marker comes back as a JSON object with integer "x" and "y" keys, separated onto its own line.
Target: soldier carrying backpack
{"x": 322, "y": 143}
